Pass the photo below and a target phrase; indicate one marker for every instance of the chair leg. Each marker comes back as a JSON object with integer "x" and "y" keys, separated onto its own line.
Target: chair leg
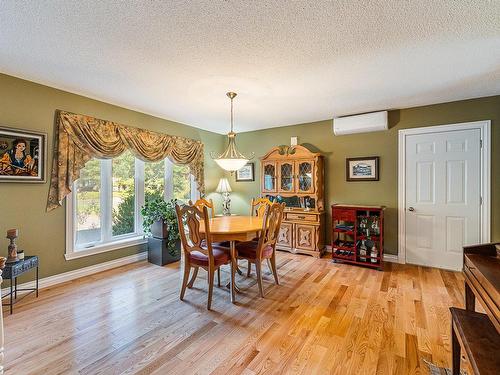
{"x": 191, "y": 282}
{"x": 455, "y": 353}
{"x": 273, "y": 268}
{"x": 211, "y": 274}
{"x": 218, "y": 277}
{"x": 258, "y": 269}
{"x": 238, "y": 269}
{"x": 269, "y": 265}
{"x": 233, "y": 270}
{"x": 187, "y": 268}
{"x": 249, "y": 270}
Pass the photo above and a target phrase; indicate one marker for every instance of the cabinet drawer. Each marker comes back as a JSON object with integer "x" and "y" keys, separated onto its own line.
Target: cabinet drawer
{"x": 302, "y": 217}
{"x": 344, "y": 215}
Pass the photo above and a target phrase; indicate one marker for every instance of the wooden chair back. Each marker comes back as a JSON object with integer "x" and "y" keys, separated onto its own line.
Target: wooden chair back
{"x": 258, "y": 206}
{"x": 270, "y": 227}
{"x": 190, "y": 218}
{"x": 202, "y": 202}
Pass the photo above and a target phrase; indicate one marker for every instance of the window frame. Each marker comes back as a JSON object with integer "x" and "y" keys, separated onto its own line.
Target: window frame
{"x": 109, "y": 242}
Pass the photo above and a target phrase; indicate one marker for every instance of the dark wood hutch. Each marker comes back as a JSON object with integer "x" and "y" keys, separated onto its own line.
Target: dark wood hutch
{"x": 295, "y": 175}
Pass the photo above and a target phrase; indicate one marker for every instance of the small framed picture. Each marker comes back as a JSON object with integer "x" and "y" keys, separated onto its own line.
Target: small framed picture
{"x": 23, "y": 155}
{"x": 247, "y": 173}
{"x": 362, "y": 169}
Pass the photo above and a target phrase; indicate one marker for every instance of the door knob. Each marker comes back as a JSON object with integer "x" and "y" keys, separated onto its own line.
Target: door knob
{"x": 411, "y": 209}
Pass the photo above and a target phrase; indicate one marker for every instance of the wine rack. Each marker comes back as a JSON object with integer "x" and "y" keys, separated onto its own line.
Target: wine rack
{"x": 358, "y": 235}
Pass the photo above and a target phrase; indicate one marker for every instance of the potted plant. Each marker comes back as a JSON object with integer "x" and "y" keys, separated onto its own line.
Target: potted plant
{"x": 160, "y": 221}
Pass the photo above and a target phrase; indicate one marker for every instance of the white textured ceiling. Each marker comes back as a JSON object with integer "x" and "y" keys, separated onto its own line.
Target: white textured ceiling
{"x": 289, "y": 61}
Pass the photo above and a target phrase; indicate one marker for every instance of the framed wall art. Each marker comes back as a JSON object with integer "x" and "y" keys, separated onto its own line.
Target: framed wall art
{"x": 23, "y": 155}
{"x": 247, "y": 173}
{"x": 362, "y": 169}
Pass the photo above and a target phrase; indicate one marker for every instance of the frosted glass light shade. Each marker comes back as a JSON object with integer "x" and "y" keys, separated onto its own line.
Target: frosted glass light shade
{"x": 231, "y": 165}
{"x": 223, "y": 186}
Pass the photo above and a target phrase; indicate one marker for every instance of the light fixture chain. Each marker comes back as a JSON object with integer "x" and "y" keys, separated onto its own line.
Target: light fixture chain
{"x": 231, "y": 115}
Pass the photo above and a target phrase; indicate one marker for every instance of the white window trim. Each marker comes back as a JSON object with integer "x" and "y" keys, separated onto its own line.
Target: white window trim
{"x": 126, "y": 240}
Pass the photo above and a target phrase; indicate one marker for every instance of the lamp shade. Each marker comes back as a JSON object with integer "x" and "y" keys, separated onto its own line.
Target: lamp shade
{"x": 231, "y": 165}
{"x": 223, "y": 186}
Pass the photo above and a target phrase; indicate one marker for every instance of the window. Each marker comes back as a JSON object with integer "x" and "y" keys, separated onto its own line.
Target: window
{"x": 103, "y": 212}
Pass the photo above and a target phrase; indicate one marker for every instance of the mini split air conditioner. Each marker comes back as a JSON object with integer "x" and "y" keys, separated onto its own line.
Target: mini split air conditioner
{"x": 369, "y": 122}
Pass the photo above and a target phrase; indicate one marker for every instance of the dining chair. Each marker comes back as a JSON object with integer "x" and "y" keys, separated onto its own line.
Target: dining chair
{"x": 265, "y": 248}
{"x": 198, "y": 250}
{"x": 258, "y": 206}
{"x": 208, "y": 203}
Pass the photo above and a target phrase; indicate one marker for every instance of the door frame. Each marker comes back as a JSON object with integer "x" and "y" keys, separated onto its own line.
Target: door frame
{"x": 485, "y": 159}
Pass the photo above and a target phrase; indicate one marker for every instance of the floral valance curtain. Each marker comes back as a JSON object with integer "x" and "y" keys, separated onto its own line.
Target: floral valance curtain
{"x": 80, "y": 138}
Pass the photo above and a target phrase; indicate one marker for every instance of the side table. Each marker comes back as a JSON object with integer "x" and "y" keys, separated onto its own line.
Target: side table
{"x": 12, "y": 271}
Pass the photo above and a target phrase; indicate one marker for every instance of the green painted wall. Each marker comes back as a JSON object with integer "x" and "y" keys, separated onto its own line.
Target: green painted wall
{"x": 320, "y": 136}
{"x": 30, "y": 106}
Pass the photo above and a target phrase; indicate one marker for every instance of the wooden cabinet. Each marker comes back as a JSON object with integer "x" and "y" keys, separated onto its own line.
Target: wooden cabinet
{"x": 294, "y": 175}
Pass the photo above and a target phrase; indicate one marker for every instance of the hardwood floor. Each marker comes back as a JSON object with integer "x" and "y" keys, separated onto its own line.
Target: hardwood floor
{"x": 323, "y": 318}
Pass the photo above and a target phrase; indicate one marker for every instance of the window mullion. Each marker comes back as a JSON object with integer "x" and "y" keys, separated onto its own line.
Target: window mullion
{"x": 106, "y": 199}
{"x": 195, "y": 195}
{"x": 71, "y": 218}
{"x": 139, "y": 194}
{"x": 169, "y": 179}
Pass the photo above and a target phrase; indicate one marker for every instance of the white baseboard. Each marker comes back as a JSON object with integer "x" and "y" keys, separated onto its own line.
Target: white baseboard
{"x": 391, "y": 258}
{"x": 86, "y": 271}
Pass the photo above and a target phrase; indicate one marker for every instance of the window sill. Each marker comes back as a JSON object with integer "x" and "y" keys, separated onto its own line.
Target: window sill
{"x": 110, "y": 246}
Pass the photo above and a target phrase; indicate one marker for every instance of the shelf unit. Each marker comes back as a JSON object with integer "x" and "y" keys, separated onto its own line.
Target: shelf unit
{"x": 358, "y": 235}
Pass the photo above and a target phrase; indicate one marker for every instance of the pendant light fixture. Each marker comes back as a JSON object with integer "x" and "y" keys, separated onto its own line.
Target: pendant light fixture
{"x": 231, "y": 160}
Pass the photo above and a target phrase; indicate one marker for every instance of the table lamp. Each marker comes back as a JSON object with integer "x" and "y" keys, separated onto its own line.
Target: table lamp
{"x": 224, "y": 189}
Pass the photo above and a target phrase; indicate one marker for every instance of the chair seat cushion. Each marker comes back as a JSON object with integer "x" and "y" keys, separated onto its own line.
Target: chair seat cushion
{"x": 221, "y": 256}
{"x": 248, "y": 249}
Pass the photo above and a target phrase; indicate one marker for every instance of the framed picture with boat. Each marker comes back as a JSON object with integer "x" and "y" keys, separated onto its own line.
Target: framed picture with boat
{"x": 247, "y": 173}
{"x": 362, "y": 169}
{"x": 23, "y": 155}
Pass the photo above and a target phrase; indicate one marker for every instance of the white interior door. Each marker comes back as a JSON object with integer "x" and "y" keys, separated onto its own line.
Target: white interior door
{"x": 443, "y": 190}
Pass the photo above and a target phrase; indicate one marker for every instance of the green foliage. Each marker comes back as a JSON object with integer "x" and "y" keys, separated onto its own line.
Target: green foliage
{"x": 154, "y": 178}
{"x": 181, "y": 182}
{"x": 159, "y": 209}
{"x": 123, "y": 217}
{"x": 90, "y": 176}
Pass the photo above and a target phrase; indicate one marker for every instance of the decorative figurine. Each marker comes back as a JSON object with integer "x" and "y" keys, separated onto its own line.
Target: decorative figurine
{"x": 12, "y": 234}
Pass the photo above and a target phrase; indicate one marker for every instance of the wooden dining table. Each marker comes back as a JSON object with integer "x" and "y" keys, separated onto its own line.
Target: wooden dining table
{"x": 232, "y": 229}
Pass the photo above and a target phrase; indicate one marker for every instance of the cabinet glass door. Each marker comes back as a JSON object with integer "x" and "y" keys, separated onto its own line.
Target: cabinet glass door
{"x": 269, "y": 177}
{"x": 305, "y": 176}
{"x": 286, "y": 177}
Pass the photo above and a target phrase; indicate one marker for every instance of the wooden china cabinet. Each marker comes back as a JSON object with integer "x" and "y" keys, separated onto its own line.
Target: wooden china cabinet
{"x": 295, "y": 175}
